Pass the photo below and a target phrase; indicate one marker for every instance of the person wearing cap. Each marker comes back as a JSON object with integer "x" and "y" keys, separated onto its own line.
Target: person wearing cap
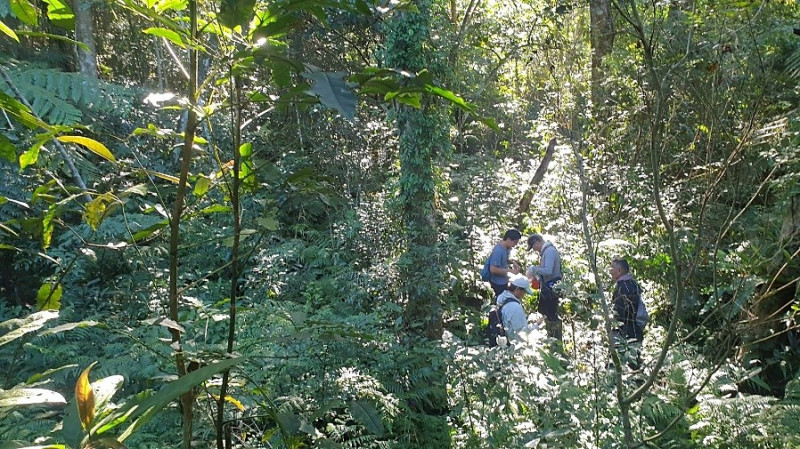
{"x": 513, "y": 314}
{"x": 499, "y": 266}
{"x": 549, "y": 273}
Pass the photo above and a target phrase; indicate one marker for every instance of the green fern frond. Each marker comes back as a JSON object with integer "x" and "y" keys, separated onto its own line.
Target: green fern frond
{"x": 793, "y": 65}
{"x": 364, "y": 441}
{"x": 58, "y": 97}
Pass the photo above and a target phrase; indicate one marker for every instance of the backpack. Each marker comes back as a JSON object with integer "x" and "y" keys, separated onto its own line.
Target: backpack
{"x": 485, "y": 273}
{"x": 495, "y": 328}
{"x": 642, "y": 317}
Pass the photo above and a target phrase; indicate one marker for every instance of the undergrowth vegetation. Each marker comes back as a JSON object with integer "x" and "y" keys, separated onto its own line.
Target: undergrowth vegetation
{"x": 327, "y": 366}
{"x": 280, "y": 255}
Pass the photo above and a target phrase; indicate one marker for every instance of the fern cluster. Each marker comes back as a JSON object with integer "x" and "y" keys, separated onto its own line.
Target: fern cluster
{"x": 60, "y": 97}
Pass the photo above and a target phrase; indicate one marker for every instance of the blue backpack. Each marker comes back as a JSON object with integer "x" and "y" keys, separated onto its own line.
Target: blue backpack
{"x": 485, "y": 273}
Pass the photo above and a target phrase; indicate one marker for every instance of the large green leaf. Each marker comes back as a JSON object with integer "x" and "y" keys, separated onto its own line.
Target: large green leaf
{"x": 91, "y": 144}
{"x": 48, "y": 226}
{"x": 148, "y": 231}
{"x": 201, "y": 186}
{"x": 8, "y": 31}
{"x": 25, "y": 12}
{"x": 7, "y": 149}
{"x": 144, "y": 410}
{"x": 366, "y": 413}
{"x": 170, "y": 35}
{"x": 71, "y": 428}
{"x": 29, "y": 396}
{"x": 60, "y": 14}
{"x": 20, "y": 112}
{"x": 105, "y": 389}
{"x": 53, "y": 37}
{"x": 49, "y": 298}
{"x": 290, "y": 422}
{"x": 233, "y": 13}
{"x": 31, "y": 323}
{"x": 274, "y": 25}
{"x": 46, "y": 374}
{"x": 247, "y": 173}
{"x": 30, "y": 156}
{"x": 333, "y": 91}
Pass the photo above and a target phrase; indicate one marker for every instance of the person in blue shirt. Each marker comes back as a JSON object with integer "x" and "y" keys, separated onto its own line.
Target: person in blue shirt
{"x": 499, "y": 265}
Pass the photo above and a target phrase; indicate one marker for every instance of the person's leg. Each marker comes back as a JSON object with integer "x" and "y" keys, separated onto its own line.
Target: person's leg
{"x": 548, "y": 303}
{"x": 497, "y": 288}
{"x": 548, "y": 306}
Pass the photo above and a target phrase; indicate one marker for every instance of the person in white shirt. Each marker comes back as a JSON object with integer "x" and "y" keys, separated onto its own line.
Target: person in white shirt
{"x": 512, "y": 312}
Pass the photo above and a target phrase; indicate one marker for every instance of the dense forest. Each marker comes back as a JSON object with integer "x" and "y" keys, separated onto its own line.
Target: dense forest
{"x": 262, "y": 223}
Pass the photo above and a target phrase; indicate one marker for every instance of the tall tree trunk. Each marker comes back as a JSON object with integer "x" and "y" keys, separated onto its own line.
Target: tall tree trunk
{"x": 187, "y": 399}
{"x": 423, "y": 312}
{"x": 86, "y": 58}
{"x": 421, "y": 133}
{"x": 602, "y": 36}
{"x": 224, "y": 440}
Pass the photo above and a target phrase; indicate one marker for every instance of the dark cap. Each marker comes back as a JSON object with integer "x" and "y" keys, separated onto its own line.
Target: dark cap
{"x": 533, "y": 239}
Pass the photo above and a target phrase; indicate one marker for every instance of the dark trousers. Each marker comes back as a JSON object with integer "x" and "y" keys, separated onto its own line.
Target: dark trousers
{"x": 548, "y": 302}
{"x": 498, "y": 288}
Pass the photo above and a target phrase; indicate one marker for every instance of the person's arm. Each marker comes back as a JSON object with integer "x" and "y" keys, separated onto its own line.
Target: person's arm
{"x": 501, "y": 271}
{"x": 619, "y": 304}
{"x": 494, "y": 265}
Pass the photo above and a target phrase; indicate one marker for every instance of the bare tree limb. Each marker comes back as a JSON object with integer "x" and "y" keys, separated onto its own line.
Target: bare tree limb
{"x": 527, "y": 197}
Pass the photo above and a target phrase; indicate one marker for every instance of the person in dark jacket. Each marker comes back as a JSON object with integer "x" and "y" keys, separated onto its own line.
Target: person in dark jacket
{"x": 626, "y": 298}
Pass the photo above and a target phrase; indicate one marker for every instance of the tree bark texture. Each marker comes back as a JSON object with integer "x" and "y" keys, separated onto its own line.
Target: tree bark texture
{"x": 602, "y": 37}
{"x": 422, "y": 132}
{"x": 86, "y": 59}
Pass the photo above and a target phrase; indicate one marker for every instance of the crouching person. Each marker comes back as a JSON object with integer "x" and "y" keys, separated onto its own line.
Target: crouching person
{"x": 509, "y": 306}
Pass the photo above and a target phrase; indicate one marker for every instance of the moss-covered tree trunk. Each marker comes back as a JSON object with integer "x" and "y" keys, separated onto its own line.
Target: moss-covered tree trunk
{"x": 420, "y": 269}
{"x": 421, "y": 133}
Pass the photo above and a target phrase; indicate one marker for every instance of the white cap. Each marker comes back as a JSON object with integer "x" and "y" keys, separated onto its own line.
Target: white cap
{"x": 522, "y": 282}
